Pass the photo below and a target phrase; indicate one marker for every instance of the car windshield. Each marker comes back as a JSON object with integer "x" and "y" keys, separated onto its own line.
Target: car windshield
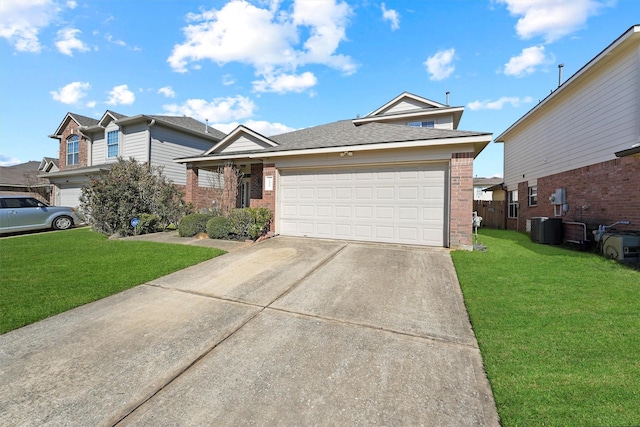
{"x": 22, "y": 202}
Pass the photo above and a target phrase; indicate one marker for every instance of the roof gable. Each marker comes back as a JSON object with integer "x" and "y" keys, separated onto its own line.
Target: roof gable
{"x": 79, "y": 119}
{"x": 108, "y": 117}
{"x": 404, "y": 103}
{"x": 241, "y": 139}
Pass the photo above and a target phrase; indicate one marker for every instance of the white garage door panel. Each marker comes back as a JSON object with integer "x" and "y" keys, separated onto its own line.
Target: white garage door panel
{"x": 69, "y": 196}
{"x": 381, "y": 205}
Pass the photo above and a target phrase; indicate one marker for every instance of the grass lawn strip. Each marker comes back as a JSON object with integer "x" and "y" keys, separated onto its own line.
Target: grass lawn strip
{"x": 48, "y": 273}
{"x": 559, "y": 331}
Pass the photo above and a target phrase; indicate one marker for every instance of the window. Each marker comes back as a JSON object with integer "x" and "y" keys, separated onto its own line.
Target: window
{"x": 422, "y": 124}
{"x": 533, "y": 196}
{"x": 513, "y": 204}
{"x": 112, "y": 143}
{"x": 73, "y": 150}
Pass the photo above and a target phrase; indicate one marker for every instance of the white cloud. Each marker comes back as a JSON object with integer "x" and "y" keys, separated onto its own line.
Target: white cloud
{"x": 8, "y": 160}
{"x": 71, "y": 93}
{"x": 91, "y": 104}
{"x": 219, "y": 110}
{"x": 228, "y": 80}
{"x": 167, "y": 91}
{"x": 110, "y": 39}
{"x": 270, "y": 40}
{"x": 285, "y": 83}
{"x": 68, "y": 42}
{"x": 439, "y": 65}
{"x": 514, "y": 101}
{"x": 527, "y": 62}
{"x": 22, "y": 20}
{"x": 552, "y": 19}
{"x": 262, "y": 127}
{"x": 392, "y": 16}
{"x": 71, "y": 4}
{"x": 121, "y": 95}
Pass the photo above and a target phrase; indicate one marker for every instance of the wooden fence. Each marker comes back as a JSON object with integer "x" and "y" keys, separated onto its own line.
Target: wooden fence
{"x": 492, "y": 213}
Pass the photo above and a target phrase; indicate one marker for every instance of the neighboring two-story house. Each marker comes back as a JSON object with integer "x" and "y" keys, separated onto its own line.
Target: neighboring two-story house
{"x": 576, "y": 155}
{"x": 401, "y": 174}
{"x": 88, "y": 146}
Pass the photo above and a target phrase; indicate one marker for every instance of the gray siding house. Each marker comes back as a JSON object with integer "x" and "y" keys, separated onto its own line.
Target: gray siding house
{"x": 89, "y": 146}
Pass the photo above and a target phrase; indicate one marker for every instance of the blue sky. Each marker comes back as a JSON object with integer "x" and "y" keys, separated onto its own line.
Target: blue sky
{"x": 277, "y": 65}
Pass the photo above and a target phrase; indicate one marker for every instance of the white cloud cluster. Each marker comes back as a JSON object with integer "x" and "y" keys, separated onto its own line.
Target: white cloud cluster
{"x": 269, "y": 39}
{"x": 71, "y": 93}
{"x": 527, "y": 62}
{"x": 552, "y": 19}
{"x": 22, "y": 20}
{"x": 549, "y": 19}
{"x": 392, "y": 16}
{"x": 67, "y": 41}
{"x": 499, "y": 103}
{"x": 167, "y": 91}
{"x": 219, "y": 110}
{"x": 262, "y": 127}
{"x": 8, "y": 161}
{"x": 440, "y": 66}
{"x": 121, "y": 95}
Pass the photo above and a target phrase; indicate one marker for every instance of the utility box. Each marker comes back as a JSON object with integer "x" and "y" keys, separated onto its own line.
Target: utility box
{"x": 546, "y": 230}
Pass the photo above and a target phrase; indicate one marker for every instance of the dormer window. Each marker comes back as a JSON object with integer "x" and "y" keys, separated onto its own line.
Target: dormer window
{"x": 73, "y": 150}
{"x": 112, "y": 143}
{"x": 429, "y": 124}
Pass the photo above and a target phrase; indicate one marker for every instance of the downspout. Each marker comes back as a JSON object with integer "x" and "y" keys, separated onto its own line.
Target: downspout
{"x": 151, "y": 123}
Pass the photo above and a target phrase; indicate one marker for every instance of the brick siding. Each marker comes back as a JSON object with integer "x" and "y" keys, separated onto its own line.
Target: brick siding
{"x": 461, "y": 190}
{"x": 602, "y": 193}
{"x": 69, "y": 130}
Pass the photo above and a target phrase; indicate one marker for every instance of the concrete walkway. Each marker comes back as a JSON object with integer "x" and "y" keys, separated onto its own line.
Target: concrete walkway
{"x": 284, "y": 332}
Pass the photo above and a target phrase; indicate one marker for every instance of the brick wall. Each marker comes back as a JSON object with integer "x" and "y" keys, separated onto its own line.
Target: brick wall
{"x": 82, "y": 146}
{"x": 201, "y": 197}
{"x": 267, "y": 199}
{"x": 597, "y": 194}
{"x": 461, "y": 187}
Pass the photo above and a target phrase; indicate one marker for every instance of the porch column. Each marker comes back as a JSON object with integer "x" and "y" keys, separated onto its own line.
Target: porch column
{"x": 192, "y": 185}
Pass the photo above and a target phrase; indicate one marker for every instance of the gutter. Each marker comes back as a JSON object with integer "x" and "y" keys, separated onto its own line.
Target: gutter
{"x": 151, "y": 123}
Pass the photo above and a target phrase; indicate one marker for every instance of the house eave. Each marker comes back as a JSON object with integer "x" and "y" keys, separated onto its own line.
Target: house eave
{"x": 75, "y": 172}
{"x": 479, "y": 142}
{"x": 633, "y": 151}
{"x": 457, "y": 113}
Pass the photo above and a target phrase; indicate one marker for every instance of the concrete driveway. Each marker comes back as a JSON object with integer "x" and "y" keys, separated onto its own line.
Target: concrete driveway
{"x": 284, "y": 332}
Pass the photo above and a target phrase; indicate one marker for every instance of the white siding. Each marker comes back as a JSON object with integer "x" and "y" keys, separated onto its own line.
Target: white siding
{"x": 587, "y": 123}
{"x": 407, "y": 105}
{"x": 99, "y": 149}
{"x": 243, "y": 143}
{"x": 135, "y": 142}
{"x": 168, "y": 144}
{"x": 440, "y": 122}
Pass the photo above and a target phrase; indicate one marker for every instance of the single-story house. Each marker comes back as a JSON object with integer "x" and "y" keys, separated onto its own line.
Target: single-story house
{"x": 575, "y": 155}
{"x": 401, "y": 174}
{"x": 88, "y": 146}
{"x": 22, "y": 179}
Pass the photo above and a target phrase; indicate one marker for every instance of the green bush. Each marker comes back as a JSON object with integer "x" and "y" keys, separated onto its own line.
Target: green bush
{"x": 193, "y": 224}
{"x": 130, "y": 189}
{"x": 148, "y": 223}
{"x": 249, "y": 222}
{"x": 218, "y": 228}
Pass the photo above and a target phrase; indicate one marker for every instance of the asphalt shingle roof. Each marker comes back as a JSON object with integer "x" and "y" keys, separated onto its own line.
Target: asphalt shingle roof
{"x": 23, "y": 174}
{"x": 84, "y": 120}
{"x": 191, "y": 124}
{"x": 344, "y": 133}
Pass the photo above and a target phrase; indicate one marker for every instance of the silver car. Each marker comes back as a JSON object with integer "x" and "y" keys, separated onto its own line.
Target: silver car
{"x": 23, "y": 213}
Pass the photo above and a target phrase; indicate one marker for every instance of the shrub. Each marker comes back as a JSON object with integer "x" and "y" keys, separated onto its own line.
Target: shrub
{"x": 130, "y": 189}
{"x": 218, "y": 228}
{"x": 148, "y": 223}
{"x": 193, "y": 224}
{"x": 249, "y": 222}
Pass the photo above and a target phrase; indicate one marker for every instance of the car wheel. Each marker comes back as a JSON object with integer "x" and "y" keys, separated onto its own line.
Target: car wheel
{"x": 62, "y": 223}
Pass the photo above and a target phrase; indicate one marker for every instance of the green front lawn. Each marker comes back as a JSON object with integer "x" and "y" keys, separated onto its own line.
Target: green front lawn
{"x": 559, "y": 331}
{"x": 48, "y": 273}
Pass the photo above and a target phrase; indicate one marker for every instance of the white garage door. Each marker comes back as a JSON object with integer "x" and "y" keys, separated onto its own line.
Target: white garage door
{"x": 395, "y": 205}
{"x": 69, "y": 196}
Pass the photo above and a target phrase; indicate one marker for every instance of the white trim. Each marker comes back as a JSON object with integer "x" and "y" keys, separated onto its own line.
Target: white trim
{"x": 408, "y": 115}
{"x": 402, "y": 96}
{"x": 234, "y": 134}
{"x": 366, "y": 147}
